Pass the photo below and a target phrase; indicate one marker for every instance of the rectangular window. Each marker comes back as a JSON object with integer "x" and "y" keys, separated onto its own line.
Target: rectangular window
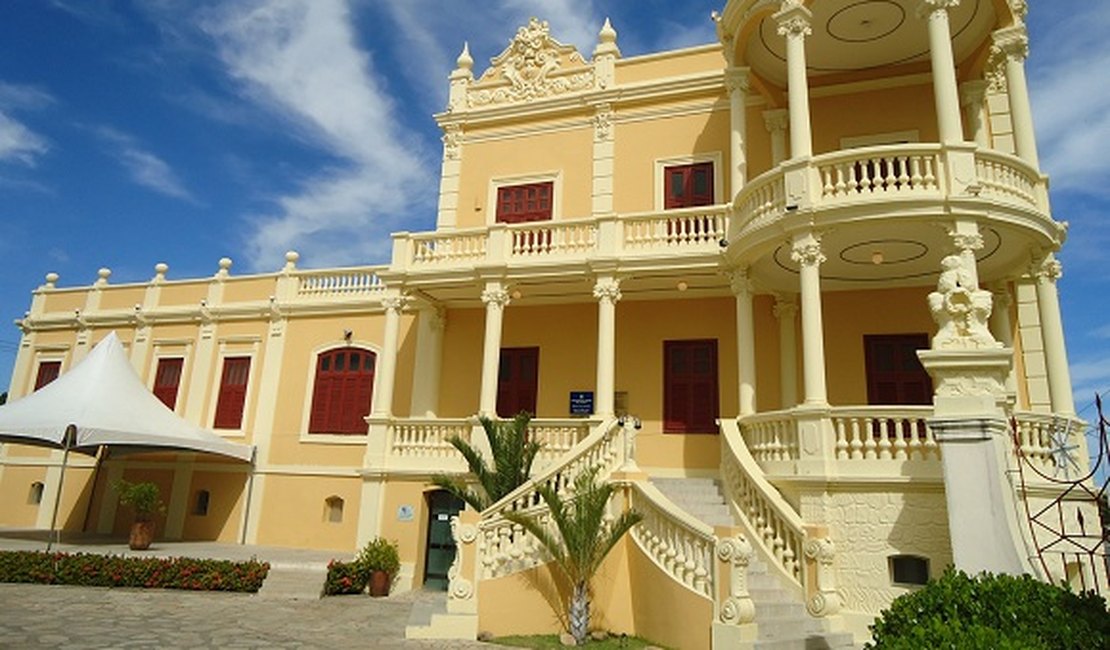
{"x": 688, "y": 186}
{"x": 518, "y": 381}
{"x": 233, "y": 393}
{"x": 690, "y": 386}
{"x": 48, "y": 372}
{"x": 520, "y": 203}
{"x": 167, "y": 379}
{"x": 894, "y": 373}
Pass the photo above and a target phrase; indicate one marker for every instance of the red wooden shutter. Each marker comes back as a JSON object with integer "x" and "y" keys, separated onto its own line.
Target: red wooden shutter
{"x": 894, "y": 373}
{"x": 687, "y": 186}
{"x": 690, "y": 386}
{"x": 167, "y": 379}
{"x": 518, "y": 381}
{"x": 233, "y": 393}
{"x": 520, "y": 203}
{"x": 48, "y": 372}
{"x": 341, "y": 392}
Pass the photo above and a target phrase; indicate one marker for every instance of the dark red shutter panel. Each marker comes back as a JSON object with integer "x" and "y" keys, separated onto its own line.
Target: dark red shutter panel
{"x": 167, "y": 380}
{"x": 233, "y": 393}
{"x": 341, "y": 391}
{"x": 520, "y": 203}
{"x": 687, "y": 186}
{"x": 690, "y": 402}
{"x": 518, "y": 381}
{"x": 48, "y": 372}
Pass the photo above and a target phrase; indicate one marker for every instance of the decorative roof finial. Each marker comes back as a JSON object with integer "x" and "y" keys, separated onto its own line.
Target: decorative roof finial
{"x": 465, "y": 61}
{"x": 607, "y": 35}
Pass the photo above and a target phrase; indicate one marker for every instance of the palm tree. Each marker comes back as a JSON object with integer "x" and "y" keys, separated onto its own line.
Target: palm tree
{"x": 512, "y": 451}
{"x": 583, "y": 540}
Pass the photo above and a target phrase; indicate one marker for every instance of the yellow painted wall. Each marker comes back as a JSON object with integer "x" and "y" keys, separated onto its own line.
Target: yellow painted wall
{"x": 568, "y": 152}
{"x": 904, "y": 311}
{"x": 122, "y": 297}
{"x": 461, "y": 372}
{"x": 673, "y": 64}
{"x": 17, "y": 510}
{"x": 294, "y": 511}
{"x": 183, "y": 293}
{"x": 640, "y": 143}
{"x": 568, "y": 352}
{"x": 409, "y": 535}
{"x": 227, "y": 492}
{"x": 248, "y": 289}
{"x": 874, "y": 112}
{"x": 664, "y": 610}
{"x": 65, "y": 301}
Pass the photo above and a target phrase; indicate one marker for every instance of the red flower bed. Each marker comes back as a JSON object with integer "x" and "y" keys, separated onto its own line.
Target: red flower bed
{"x": 117, "y": 571}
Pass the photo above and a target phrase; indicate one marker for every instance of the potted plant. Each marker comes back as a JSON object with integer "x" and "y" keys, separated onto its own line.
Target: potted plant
{"x": 143, "y": 499}
{"x": 379, "y": 561}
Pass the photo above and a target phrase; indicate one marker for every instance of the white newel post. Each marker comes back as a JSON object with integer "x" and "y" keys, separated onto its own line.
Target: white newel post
{"x": 793, "y": 21}
{"x": 745, "y": 339}
{"x": 1047, "y": 271}
{"x": 945, "y": 91}
{"x": 736, "y": 81}
{"x": 496, "y": 298}
{"x": 786, "y": 311}
{"x": 607, "y": 291}
{"x": 807, "y": 253}
{"x": 1013, "y": 44}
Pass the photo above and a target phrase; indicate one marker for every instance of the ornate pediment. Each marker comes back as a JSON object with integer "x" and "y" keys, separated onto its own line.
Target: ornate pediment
{"x": 534, "y": 66}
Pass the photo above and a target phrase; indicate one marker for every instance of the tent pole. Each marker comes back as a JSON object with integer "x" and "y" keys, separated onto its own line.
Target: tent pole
{"x": 71, "y": 432}
{"x": 101, "y": 454}
{"x": 250, "y": 494}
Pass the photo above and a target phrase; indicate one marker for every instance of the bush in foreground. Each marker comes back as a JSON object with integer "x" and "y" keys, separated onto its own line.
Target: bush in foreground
{"x": 993, "y": 611}
{"x": 345, "y": 578}
{"x": 90, "y": 570}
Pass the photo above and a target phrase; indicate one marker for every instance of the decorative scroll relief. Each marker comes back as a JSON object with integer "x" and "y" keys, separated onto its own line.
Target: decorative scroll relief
{"x": 533, "y": 66}
{"x": 960, "y": 309}
{"x": 460, "y": 588}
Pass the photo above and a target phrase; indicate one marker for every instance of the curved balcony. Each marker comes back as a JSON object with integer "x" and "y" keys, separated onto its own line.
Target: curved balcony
{"x": 879, "y": 207}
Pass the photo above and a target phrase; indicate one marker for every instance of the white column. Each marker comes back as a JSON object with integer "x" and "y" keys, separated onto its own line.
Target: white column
{"x": 807, "y": 253}
{"x": 1013, "y": 43}
{"x": 386, "y": 372}
{"x": 496, "y": 298}
{"x": 776, "y": 121}
{"x": 741, "y": 285}
{"x": 1002, "y": 327}
{"x": 972, "y": 97}
{"x": 794, "y": 23}
{"x": 786, "y": 311}
{"x": 430, "y": 322}
{"x": 1047, "y": 271}
{"x": 607, "y": 290}
{"x": 945, "y": 92}
{"x": 736, "y": 81}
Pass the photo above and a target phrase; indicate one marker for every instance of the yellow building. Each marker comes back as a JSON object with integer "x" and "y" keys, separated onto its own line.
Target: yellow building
{"x": 739, "y": 248}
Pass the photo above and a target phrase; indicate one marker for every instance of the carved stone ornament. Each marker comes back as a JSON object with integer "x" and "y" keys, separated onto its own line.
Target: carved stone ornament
{"x": 961, "y": 309}
{"x": 394, "y": 303}
{"x": 496, "y": 297}
{"x": 533, "y": 67}
{"x": 785, "y": 308}
{"x": 1048, "y": 269}
{"x": 738, "y": 80}
{"x": 928, "y": 7}
{"x": 608, "y": 290}
{"x": 807, "y": 253}
{"x": 1011, "y": 43}
{"x": 452, "y": 141}
{"x": 739, "y": 281}
{"x": 967, "y": 241}
{"x": 795, "y": 25}
{"x": 603, "y": 123}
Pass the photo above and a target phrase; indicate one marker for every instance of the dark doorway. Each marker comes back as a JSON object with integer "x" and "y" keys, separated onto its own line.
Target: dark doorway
{"x": 442, "y": 505}
{"x": 894, "y": 373}
{"x": 518, "y": 381}
{"x": 690, "y": 386}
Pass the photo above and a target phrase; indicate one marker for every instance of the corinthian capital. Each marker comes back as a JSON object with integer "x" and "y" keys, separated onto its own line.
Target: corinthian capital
{"x": 497, "y": 297}
{"x": 1011, "y": 42}
{"x": 929, "y": 7}
{"x": 738, "y": 79}
{"x": 394, "y": 303}
{"x": 739, "y": 281}
{"x": 806, "y": 251}
{"x": 607, "y": 290}
{"x": 793, "y": 19}
{"x": 1047, "y": 268}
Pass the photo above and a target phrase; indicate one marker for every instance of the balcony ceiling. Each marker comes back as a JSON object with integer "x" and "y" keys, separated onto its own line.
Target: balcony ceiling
{"x": 851, "y": 35}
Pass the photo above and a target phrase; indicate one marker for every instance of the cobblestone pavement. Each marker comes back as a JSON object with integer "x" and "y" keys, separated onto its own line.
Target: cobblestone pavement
{"x": 53, "y": 616}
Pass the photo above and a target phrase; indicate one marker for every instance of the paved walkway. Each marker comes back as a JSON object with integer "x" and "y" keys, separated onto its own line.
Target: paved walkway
{"x": 55, "y": 616}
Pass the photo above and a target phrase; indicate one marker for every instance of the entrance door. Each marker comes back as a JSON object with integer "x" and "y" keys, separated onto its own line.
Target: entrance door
{"x": 894, "y": 373}
{"x": 690, "y": 386}
{"x": 518, "y": 381}
{"x": 442, "y": 505}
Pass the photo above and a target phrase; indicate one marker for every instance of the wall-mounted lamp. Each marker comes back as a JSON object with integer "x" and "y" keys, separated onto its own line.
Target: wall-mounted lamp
{"x": 682, "y": 286}
{"x": 877, "y": 257}
{"x": 347, "y": 334}
{"x": 515, "y": 295}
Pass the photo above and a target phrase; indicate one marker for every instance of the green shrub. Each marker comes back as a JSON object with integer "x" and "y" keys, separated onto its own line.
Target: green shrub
{"x": 91, "y": 570}
{"x": 992, "y": 611}
{"x": 344, "y": 578}
{"x": 143, "y": 498}
{"x": 379, "y": 554}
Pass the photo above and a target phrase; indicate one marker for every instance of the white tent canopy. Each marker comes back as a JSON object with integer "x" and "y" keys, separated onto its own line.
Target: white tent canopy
{"x": 107, "y": 404}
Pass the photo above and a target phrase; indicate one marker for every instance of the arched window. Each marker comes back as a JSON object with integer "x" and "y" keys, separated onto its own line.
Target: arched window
{"x": 341, "y": 393}
{"x": 35, "y": 496}
{"x": 333, "y": 509}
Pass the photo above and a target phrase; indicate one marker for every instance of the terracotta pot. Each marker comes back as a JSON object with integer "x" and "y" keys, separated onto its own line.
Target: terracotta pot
{"x": 379, "y": 584}
{"x": 142, "y": 534}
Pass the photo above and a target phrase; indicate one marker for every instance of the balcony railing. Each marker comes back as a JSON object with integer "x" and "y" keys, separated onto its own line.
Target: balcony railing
{"x": 689, "y": 230}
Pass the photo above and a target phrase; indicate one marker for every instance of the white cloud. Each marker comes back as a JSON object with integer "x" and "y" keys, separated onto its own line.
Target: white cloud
{"x": 300, "y": 59}
{"x": 18, "y": 143}
{"x": 145, "y": 168}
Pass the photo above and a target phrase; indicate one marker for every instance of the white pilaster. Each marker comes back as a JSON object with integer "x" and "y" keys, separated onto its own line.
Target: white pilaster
{"x": 607, "y": 291}
{"x": 741, "y": 286}
{"x": 945, "y": 92}
{"x": 973, "y": 96}
{"x": 1013, "y": 44}
{"x": 496, "y": 298}
{"x": 430, "y": 323}
{"x": 1047, "y": 271}
{"x": 736, "y": 81}
{"x": 806, "y": 251}
{"x": 178, "y": 505}
{"x": 450, "y": 173}
{"x": 603, "y": 154}
{"x": 793, "y": 21}
{"x": 386, "y": 373}
{"x": 776, "y": 121}
{"x": 1002, "y": 327}
{"x": 786, "y": 311}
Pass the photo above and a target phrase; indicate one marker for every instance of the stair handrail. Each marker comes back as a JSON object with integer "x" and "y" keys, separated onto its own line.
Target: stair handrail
{"x": 774, "y": 525}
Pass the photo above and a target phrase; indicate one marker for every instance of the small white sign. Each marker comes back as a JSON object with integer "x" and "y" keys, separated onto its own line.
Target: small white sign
{"x": 404, "y": 513}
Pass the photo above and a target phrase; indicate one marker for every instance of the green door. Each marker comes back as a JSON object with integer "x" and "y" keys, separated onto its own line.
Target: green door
{"x": 441, "y": 546}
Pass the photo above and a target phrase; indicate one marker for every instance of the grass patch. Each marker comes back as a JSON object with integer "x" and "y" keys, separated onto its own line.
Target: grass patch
{"x": 544, "y": 641}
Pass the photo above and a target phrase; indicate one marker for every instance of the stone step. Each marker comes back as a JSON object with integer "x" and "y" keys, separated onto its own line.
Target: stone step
{"x": 429, "y": 619}
{"x": 294, "y": 582}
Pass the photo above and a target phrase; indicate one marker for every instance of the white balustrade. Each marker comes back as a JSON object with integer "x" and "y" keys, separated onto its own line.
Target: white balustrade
{"x": 686, "y": 228}
{"x": 1054, "y": 445}
{"x": 1006, "y": 178}
{"x": 557, "y": 436}
{"x": 338, "y": 283}
{"x": 426, "y": 438}
{"x": 771, "y": 436}
{"x": 680, "y": 545}
{"x": 553, "y": 239}
{"x": 895, "y": 169}
{"x": 884, "y": 433}
{"x": 434, "y": 249}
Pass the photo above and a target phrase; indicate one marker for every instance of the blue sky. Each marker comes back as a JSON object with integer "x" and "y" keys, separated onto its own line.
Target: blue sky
{"x": 183, "y": 131}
